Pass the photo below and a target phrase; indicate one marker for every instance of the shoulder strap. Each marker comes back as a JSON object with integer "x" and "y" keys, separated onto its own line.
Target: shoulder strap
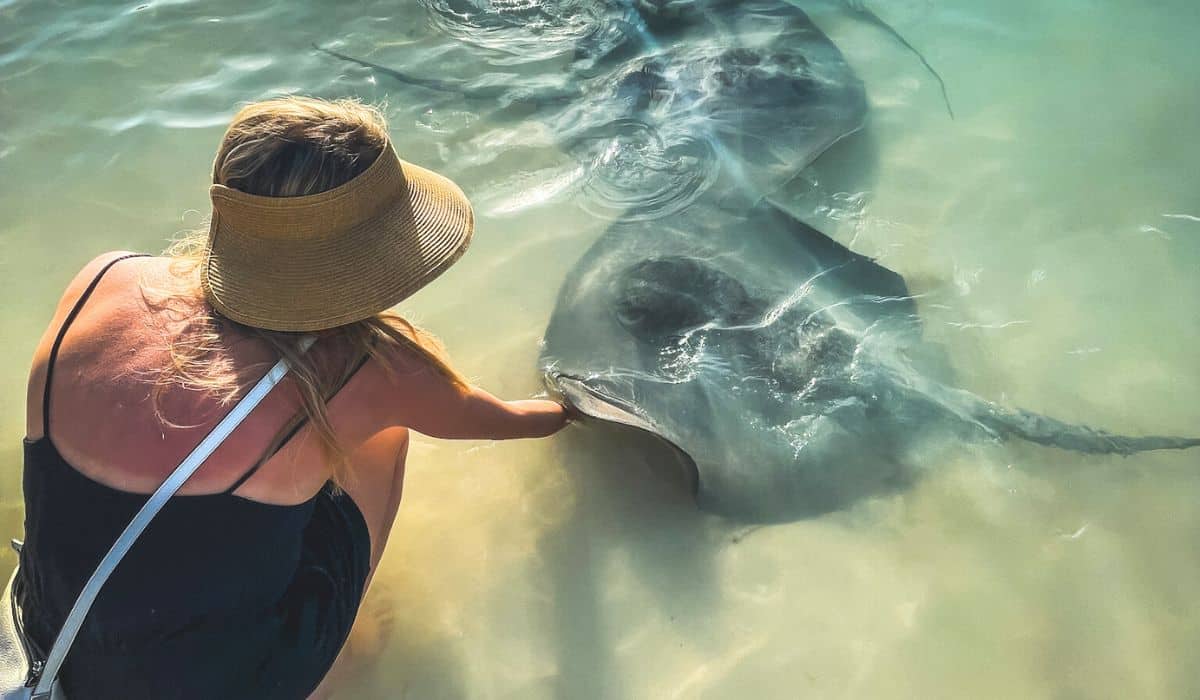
{"x": 62, "y": 332}
{"x": 293, "y": 426}
{"x": 70, "y": 628}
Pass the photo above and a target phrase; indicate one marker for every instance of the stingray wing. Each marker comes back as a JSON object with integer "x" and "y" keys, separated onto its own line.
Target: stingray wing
{"x": 877, "y": 291}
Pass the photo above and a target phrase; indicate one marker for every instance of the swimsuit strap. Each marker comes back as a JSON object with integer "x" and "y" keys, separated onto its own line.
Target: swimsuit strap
{"x": 292, "y": 427}
{"x": 62, "y": 332}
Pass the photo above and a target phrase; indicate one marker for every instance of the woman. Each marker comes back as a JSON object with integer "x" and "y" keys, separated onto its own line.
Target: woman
{"x": 248, "y": 581}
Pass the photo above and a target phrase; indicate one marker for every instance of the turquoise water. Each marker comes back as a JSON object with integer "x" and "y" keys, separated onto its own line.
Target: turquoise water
{"x": 1051, "y": 230}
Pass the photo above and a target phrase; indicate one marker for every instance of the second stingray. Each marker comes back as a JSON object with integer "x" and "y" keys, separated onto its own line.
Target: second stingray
{"x": 742, "y": 102}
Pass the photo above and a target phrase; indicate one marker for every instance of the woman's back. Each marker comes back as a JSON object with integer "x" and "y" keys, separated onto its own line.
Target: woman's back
{"x": 110, "y": 359}
{"x": 213, "y": 561}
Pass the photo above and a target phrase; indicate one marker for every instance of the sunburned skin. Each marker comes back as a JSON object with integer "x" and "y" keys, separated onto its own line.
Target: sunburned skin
{"x": 115, "y": 347}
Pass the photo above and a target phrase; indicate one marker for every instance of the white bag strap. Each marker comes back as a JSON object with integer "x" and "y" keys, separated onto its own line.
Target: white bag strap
{"x": 70, "y": 628}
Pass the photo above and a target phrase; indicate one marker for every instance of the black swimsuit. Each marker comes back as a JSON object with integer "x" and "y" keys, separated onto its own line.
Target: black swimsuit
{"x": 222, "y": 597}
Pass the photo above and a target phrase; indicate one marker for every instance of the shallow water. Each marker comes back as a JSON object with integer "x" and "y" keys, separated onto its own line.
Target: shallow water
{"x": 1051, "y": 230}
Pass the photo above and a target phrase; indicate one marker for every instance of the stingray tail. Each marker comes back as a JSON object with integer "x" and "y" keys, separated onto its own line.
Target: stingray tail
{"x": 427, "y": 83}
{"x": 1044, "y": 430}
{"x": 871, "y": 18}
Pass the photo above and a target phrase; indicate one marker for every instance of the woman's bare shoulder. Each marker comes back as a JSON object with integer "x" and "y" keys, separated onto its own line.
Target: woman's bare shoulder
{"x": 66, "y": 302}
{"x": 84, "y": 278}
{"x": 70, "y": 297}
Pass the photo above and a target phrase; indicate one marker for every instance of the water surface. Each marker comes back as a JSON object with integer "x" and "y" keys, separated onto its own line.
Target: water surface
{"x": 1051, "y": 230}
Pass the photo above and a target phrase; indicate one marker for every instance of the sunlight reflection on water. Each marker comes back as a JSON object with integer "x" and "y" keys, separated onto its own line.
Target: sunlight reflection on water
{"x": 576, "y": 567}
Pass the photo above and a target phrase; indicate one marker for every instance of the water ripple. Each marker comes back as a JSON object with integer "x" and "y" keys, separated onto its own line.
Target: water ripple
{"x": 532, "y": 30}
{"x": 636, "y": 175}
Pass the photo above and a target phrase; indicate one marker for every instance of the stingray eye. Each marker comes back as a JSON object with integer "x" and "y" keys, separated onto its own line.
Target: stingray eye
{"x": 744, "y": 57}
{"x": 634, "y": 306}
{"x": 631, "y": 317}
{"x": 664, "y": 297}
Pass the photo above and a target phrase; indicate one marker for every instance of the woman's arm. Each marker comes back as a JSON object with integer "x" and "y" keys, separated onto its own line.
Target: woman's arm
{"x": 429, "y": 403}
{"x": 490, "y": 417}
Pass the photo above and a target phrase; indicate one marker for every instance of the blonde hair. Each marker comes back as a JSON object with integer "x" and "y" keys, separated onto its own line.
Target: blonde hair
{"x": 285, "y": 147}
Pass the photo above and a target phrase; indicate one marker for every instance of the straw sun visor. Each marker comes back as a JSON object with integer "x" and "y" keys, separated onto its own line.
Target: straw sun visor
{"x": 336, "y": 257}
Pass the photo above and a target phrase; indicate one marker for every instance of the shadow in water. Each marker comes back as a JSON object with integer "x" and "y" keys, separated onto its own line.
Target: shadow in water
{"x": 631, "y": 504}
{"x": 392, "y": 651}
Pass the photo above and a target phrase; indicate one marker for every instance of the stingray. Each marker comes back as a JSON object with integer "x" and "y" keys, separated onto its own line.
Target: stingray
{"x": 747, "y": 98}
{"x": 596, "y": 30}
{"x": 787, "y": 373}
{"x": 668, "y": 15}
